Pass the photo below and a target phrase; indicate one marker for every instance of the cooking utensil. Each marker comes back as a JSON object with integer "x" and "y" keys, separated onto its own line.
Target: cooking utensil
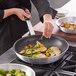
{"x": 9, "y": 66}
{"x": 53, "y": 41}
{"x": 30, "y": 26}
{"x": 68, "y": 20}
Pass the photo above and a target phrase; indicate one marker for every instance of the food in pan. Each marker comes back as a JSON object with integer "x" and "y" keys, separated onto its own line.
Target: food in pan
{"x": 40, "y": 51}
{"x": 68, "y": 25}
{"x": 13, "y": 72}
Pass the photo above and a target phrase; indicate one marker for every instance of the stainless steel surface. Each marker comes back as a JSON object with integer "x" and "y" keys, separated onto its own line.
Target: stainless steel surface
{"x": 8, "y": 56}
{"x": 66, "y": 72}
{"x": 26, "y": 34}
{"x": 73, "y": 44}
{"x": 30, "y": 27}
{"x": 40, "y": 60}
{"x": 66, "y": 19}
{"x": 9, "y": 66}
{"x": 55, "y": 41}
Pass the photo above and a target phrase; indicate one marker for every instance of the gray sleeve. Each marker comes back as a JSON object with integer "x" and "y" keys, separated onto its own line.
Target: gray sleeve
{"x": 1, "y": 15}
{"x": 43, "y": 7}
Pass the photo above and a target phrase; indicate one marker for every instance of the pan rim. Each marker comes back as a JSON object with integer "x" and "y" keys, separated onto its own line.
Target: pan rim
{"x": 45, "y": 57}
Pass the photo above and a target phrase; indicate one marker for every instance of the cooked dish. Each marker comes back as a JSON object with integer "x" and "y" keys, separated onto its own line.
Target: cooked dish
{"x": 13, "y": 72}
{"x": 68, "y": 25}
{"x": 40, "y": 51}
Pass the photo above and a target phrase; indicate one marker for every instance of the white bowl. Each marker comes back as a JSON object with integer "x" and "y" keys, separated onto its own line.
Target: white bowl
{"x": 9, "y": 66}
{"x": 68, "y": 20}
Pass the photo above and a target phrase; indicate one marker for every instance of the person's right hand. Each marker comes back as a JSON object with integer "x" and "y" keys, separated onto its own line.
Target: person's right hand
{"x": 22, "y": 14}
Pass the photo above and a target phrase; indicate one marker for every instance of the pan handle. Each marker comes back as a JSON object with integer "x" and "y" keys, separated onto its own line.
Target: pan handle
{"x": 29, "y": 24}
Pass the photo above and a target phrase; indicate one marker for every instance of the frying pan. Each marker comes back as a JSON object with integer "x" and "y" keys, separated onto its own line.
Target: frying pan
{"x": 53, "y": 41}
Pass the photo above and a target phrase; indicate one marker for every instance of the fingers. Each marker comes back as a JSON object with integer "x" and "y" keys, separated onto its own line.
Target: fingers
{"x": 27, "y": 11}
{"x": 27, "y": 14}
{"x": 48, "y": 28}
{"x": 45, "y": 30}
{"x": 22, "y": 18}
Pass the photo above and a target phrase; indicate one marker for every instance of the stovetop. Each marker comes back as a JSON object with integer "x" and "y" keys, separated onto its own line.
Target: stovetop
{"x": 64, "y": 67}
{"x": 43, "y": 70}
{"x": 68, "y": 67}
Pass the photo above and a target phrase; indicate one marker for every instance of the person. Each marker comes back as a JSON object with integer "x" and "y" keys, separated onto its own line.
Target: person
{"x": 12, "y": 19}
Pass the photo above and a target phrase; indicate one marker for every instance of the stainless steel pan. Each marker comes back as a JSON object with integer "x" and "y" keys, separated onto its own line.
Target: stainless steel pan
{"x": 53, "y": 41}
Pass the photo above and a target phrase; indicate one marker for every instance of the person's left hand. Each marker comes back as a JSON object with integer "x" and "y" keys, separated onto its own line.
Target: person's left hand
{"x": 48, "y": 25}
{"x": 48, "y": 28}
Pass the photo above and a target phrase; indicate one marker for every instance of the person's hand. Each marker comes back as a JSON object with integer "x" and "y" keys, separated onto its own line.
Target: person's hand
{"x": 48, "y": 26}
{"x": 22, "y": 14}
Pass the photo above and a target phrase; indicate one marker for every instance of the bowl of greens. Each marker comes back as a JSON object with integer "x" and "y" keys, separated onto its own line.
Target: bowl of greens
{"x": 12, "y": 69}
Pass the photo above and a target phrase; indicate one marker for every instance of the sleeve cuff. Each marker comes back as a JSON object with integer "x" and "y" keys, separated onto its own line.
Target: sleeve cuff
{"x": 1, "y": 15}
{"x": 48, "y": 11}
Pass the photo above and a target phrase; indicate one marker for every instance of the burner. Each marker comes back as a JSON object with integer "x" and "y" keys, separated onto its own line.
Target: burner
{"x": 70, "y": 63}
{"x": 55, "y": 74}
{"x": 68, "y": 67}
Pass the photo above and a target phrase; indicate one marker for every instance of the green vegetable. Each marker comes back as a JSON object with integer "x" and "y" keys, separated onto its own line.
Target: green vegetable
{"x": 18, "y": 74}
{"x": 22, "y": 74}
{"x": 3, "y": 72}
{"x": 13, "y": 72}
{"x": 30, "y": 55}
{"x": 51, "y": 50}
{"x": 35, "y": 47}
{"x": 42, "y": 37}
{"x": 25, "y": 50}
{"x": 30, "y": 49}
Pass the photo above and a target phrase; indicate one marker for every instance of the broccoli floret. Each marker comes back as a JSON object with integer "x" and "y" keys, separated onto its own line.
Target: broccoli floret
{"x": 18, "y": 74}
{"x": 3, "y": 72}
{"x": 13, "y": 71}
